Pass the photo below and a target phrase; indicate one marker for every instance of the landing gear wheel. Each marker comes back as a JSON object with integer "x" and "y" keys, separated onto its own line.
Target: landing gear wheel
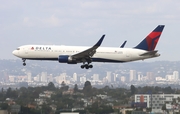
{"x": 24, "y": 64}
{"x": 24, "y": 60}
{"x": 87, "y": 66}
{"x": 82, "y": 66}
{"x": 90, "y": 66}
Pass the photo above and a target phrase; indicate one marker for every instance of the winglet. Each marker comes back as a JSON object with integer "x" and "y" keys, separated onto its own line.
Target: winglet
{"x": 100, "y": 41}
{"x": 122, "y": 46}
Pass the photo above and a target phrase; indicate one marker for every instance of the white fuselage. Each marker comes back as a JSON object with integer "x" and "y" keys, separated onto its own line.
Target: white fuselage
{"x": 103, "y": 54}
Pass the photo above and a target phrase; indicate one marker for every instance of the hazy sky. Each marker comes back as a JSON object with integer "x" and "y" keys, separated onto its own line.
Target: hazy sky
{"x": 83, "y": 22}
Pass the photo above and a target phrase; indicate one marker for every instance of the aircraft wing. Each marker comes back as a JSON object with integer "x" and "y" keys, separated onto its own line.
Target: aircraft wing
{"x": 87, "y": 54}
{"x": 149, "y": 53}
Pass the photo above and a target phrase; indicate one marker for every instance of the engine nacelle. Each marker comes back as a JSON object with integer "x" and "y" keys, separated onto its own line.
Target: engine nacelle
{"x": 66, "y": 59}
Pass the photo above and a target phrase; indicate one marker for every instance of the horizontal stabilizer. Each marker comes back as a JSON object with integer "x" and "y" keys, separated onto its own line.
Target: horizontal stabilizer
{"x": 149, "y": 53}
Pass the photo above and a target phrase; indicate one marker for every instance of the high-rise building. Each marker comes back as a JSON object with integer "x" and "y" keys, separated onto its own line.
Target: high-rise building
{"x": 12, "y": 78}
{"x": 132, "y": 75}
{"x": 150, "y": 76}
{"x": 5, "y": 76}
{"x": 176, "y": 75}
{"x": 44, "y": 77}
{"x": 109, "y": 77}
{"x": 75, "y": 77}
{"x": 62, "y": 78}
{"x": 169, "y": 77}
{"x": 83, "y": 79}
{"x": 50, "y": 78}
{"x": 37, "y": 78}
{"x": 140, "y": 76}
{"x": 123, "y": 78}
{"x": 115, "y": 77}
{"x": 29, "y": 76}
{"x": 105, "y": 80}
{"x": 95, "y": 77}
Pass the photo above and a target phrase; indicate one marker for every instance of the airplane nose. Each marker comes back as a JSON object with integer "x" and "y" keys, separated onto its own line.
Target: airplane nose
{"x": 14, "y": 52}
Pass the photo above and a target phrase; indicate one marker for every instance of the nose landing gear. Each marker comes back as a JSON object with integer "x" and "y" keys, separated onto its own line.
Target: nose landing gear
{"x": 24, "y": 62}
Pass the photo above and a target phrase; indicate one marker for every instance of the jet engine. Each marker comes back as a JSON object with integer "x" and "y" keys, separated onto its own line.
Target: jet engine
{"x": 66, "y": 59}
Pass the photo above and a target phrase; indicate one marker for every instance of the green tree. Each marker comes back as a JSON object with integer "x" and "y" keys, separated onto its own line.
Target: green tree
{"x": 24, "y": 110}
{"x": 168, "y": 90}
{"x": 46, "y": 109}
{"x": 106, "y": 87}
{"x": 133, "y": 89}
{"x": 157, "y": 89}
{"x": 75, "y": 88}
{"x": 2, "y": 90}
{"x": 4, "y": 106}
{"x": 63, "y": 84}
{"x": 87, "y": 89}
{"x": 163, "y": 107}
{"x": 96, "y": 108}
{"x": 178, "y": 99}
{"x": 148, "y": 109}
{"x": 64, "y": 87}
{"x": 51, "y": 86}
{"x": 9, "y": 92}
{"x": 128, "y": 112}
{"x": 87, "y": 83}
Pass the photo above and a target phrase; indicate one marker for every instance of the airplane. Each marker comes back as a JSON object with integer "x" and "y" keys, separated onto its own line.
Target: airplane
{"x": 86, "y": 55}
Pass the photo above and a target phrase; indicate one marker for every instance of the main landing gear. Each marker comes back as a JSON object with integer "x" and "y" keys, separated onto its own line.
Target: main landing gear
{"x": 24, "y": 62}
{"x": 87, "y": 66}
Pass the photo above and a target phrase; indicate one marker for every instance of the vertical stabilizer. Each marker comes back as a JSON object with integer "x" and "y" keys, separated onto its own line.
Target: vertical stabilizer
{"x": 150, "y": 42}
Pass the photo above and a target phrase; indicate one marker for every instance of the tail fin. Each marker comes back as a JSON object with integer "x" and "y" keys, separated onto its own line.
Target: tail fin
{"x": 149, "y": 43}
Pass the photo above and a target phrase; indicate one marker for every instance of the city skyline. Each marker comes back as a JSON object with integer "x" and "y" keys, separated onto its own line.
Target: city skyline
{"x": 110, "y": 79}
{"x": 115, "y": 75}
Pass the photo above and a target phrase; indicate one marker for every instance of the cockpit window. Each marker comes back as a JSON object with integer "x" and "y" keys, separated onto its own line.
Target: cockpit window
{"x": 18, "y": 49}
